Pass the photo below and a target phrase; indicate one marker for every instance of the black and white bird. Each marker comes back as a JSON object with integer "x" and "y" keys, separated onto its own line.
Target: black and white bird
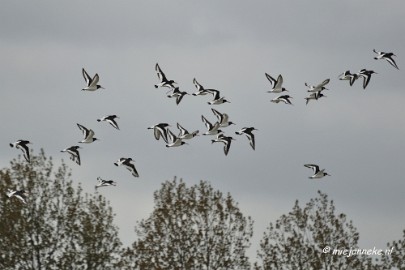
{"x": 348, "y": 76}
{"x": 314, "y": 96}
{"x": 217, "y": 97}
{"x": 226, "y": 140}
{"x": 317, "y": 172}
{"x": 317, "y": 88}
{"x": 91, "y": 83}
{"x": 248, "y": 131}
{"x": 366, "y": 74}
{"x": 184, "y": 134}
{"x": 110, "y": 119}
{"x": 88, "y": 134}
{"x": 22, "y": 145}
{"x": 173, "y": 140}
{"x": 105, "y": 183}
{"x": 126, "y": 162}
{"x": 160, "y": 130}
{"x": 74, "y": 153}
{"x": 19, "y": 194}
{"x": 386, "y": 56}
{"x": 283, "y": 98}
{"x": 212, "y": 129}
{"x": 164, "y": 82}
{"x": 176, "y": 93}
{"x": 223, "y": 118}
{"x": 277, "y": 84}
{"x": 201, "y": 91}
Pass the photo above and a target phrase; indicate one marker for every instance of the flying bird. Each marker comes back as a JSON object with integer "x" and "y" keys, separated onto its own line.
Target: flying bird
{"x": 173, "y": 140}
{"x": 164, "y": 82}
{"x": 366, "y": 74}
{"x": 226, "y": 140}
{"x": 110, "y": 119}
{"x": 212, "y": 129}
{"x": 201, "y": 91}
{"x": 74, "y": 153}
{"x": 314, "y": 96}
{"x": 223, "y": 118}
{"x": 91, "y": 83}
{"x": 217, "y": 98}
{"x": 105, "y": 183}
{"x": 184, "y": 134}
{"x": 126, "y": 162}
{"x": 160, "y": 130}
{"x": 19, "y": 194}
{"x": 248, "y": 132}
{"x": 348, "y": 76}
{"x": 88, "y": 134}
{"x": 386, "y": 56}
{"x": 283, "y": 98}
{"x": 317, "y": 173}
{"x": 317, "y": 88}
{"x": 177, "y": 94}
{"x": 277, "y": 84}
{"x": 22, "y": 145}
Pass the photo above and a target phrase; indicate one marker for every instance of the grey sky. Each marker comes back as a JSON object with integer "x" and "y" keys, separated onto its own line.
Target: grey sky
{"x": 356, "y": 134}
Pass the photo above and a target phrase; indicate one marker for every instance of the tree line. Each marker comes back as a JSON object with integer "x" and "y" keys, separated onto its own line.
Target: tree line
{"x": 190, "y": 227}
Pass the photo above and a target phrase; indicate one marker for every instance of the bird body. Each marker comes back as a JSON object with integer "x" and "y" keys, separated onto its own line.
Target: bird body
{"x": 283, "y": 98}
{"x": 22, "y": 145}
{"x": 110, "y": 119}
{"x": 348, "y": 76}
{"x": 177, "y": 94}
{"x": 160, "y": 130}
{"x": 386, "y": 56}
{"x": 248, "y": 131}
{"x": 226, "y": 140}
{"x": 184, "y": 134}
{"x": 19, "y": 194}
{"x": 164, "y": 82}
{"x": 88, "y": 134}
{"x": 366, "y": 74}
{"x": 105, "y": 183}
{"x": 277, "y": 84}
{"x": 74, "y": 153}
{"x": 212, "y": 129}
{"x": 317, "y": 172}
{"x": 91, "y": 83}
{"x": 223, "y": 118}
{"x": 126, "y": 162}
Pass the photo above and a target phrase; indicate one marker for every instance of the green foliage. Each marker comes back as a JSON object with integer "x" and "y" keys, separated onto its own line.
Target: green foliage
{"x": 59, "y": 227}
{"x": 192, "y": 228}
{"x": 297, "y": 239}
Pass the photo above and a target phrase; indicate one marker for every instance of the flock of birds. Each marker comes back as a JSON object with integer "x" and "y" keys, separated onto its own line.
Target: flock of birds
{"x": 162, "y": 130}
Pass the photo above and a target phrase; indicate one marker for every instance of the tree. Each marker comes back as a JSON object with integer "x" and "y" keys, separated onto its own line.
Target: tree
{"x": 59, "y": 227}
{"x": 395, "y": 260}
{"x": 192, "y": 228}
{"x": 306, "y": 238}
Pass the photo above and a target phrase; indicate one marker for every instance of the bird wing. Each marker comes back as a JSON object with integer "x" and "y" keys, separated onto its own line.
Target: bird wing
{"x": 206, "y": 122}
{"x": 86, "y": 77}
{"x": 251, "y": 138}
{"x": 197, "y": 85}
{"x": 314, "y": 167}
{"x": 279, "y": 82}
{"x": 271, "y": 79}
{"x": 94, "y": 81}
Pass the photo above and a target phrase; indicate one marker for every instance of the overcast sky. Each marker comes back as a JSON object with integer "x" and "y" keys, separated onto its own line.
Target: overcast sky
{"x": 356, "y": 135}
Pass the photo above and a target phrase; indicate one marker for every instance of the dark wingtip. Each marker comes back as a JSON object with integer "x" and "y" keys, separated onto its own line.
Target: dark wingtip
{"x": 98, "y": 120}
{"x": 115, "y": 164}
{"x": 11, "y": 145}
{"x": 156, "y": 86}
